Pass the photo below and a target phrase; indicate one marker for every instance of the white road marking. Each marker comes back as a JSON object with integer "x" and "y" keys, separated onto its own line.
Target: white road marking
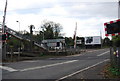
{"x": 8, "y": 68}
{"x": 82, "y": 54}
{"x": 74, "y": 55}
{"x": 103, "y": 53}
{"x": 40, "y": 67}
{"x": 95, "y": 50}
{"x": 82, "y": 70}
{"x": 30, "y": 61}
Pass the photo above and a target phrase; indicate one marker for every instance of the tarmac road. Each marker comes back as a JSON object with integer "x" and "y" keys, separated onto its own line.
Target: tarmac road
{"x": 55, "y": 68}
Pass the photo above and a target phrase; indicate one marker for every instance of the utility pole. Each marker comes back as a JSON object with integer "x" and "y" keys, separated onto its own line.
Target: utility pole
{"x": 4, "y": 31}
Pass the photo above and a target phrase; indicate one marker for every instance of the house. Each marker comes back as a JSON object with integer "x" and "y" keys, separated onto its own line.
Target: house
{"x": 54, "y": 43}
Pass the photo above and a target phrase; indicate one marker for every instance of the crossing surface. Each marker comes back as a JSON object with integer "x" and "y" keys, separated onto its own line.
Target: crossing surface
{"x": 55, "y": 68}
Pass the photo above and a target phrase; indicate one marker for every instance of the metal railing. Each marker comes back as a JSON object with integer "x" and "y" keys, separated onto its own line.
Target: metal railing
{"x": 21, "y": 37}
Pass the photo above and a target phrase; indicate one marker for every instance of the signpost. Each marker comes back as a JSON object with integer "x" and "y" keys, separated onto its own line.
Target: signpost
{"x": 112, "y": 28}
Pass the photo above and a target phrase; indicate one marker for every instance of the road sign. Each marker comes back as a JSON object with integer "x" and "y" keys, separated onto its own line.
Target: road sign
{"x": 93, "y": 40}
{"x": 112, "y": 28}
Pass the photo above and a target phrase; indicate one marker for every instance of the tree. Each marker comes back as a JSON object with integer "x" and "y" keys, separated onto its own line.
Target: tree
{"x": 57, "y": 30}
{"x": 13, "y": 42}
{"x": 51, "y": 30}
{"x": 49, "y": 34}
{"x": 106, "y": 41}
{"x": 69, "y": 41}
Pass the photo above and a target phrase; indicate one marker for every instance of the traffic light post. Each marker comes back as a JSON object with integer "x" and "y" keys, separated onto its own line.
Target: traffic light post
{"x": 4, "y": 37}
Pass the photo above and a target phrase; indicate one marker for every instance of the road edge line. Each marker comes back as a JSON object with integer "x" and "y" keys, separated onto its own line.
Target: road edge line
{"x": 103, "y": 53}
{"x": 8, "y": 68}
{"x": 82, "y": 70}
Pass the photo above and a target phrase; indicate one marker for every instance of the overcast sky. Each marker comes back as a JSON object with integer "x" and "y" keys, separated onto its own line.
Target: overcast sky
{"x": 89, "y": 14}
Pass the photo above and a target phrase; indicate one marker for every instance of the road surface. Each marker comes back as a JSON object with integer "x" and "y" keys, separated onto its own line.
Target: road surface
{"x": 55, "y": 68}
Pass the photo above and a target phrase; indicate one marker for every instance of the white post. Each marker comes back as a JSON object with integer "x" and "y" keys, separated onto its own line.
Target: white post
{"x": 75, "y": 36}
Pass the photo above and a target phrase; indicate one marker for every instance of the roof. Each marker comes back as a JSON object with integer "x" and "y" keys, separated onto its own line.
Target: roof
{"x": 53, "y": 40}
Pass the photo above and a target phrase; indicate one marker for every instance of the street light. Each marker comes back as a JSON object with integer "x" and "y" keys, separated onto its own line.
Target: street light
{"x": 20, "y": 41}
{"x": 19, "y": 25}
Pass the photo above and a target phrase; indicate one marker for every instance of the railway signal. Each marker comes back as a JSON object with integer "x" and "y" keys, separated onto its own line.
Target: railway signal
{"x": 112, "y": 28}
{"x": 4, "y": 37}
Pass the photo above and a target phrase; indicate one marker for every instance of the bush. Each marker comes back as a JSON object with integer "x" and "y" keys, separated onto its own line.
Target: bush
{"x": 116, "y": 40}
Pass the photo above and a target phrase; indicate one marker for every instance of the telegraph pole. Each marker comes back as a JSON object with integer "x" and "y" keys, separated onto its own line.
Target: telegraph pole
{"x": 4, "y": 31}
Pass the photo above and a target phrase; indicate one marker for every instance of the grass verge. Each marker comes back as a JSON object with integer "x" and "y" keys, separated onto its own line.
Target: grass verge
{"x": 111, "y": 72}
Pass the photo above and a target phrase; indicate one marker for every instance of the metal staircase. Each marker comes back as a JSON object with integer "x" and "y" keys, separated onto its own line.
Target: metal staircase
{"x": 22, "y": 37}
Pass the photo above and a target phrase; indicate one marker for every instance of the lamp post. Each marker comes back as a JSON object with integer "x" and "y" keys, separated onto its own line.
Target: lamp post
{"x": 20, "y": 40}
{"x": 19, "y": 25}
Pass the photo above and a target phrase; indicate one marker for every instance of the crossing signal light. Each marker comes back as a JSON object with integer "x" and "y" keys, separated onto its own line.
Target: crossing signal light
{"x": 5, "y": 36}
{"x": 112, "y": 28}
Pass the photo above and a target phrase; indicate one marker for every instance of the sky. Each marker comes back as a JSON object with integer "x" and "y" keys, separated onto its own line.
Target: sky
{"x": 90, "y": 15}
